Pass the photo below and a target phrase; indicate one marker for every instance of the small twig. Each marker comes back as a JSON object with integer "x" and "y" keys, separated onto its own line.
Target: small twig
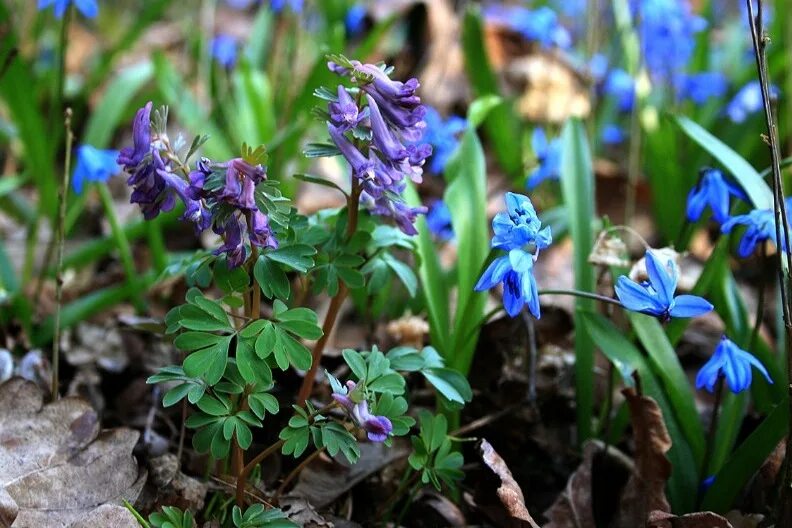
{"x": 59, "y": 255}
{"x": 296, "y": 471}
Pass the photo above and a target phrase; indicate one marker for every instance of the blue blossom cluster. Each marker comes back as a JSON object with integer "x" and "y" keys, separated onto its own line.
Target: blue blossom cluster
{"x": 217, "y": 195}
{"x": 393, "y": 119}
{"x": 443, "y": 135}
{"x": 747, "y": 101}
{"x": 224, "y": 50}
{"x": 378, "y": 428}
{"x": 656, "y": 297}
{"x": 438, "y": 220}
{"x": 540, "y": 25}
{"x": 714, "y": 191}
{"x": 88, "y": 8}
{"x": 519, "y": 232}
{"x": 548, "y": 158}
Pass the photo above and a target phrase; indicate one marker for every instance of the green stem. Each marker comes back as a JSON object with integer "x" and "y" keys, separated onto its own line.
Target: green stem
{"x": 122, "y": 243}
{"x": 583, "y": 295}
{"x": 60, "y": 241}
{"x": 713, "y": 429}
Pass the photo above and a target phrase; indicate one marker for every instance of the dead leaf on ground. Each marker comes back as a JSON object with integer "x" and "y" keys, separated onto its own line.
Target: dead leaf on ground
{"x": 574, "y": 507}
{"x": 323, "y": 481}
{"x": 660, "y": 519}
{"x": 645, "y": 490}
{"x": 56, "y": 469}
{"x": 509, "y": 491}
{"x": 303, "y": 513}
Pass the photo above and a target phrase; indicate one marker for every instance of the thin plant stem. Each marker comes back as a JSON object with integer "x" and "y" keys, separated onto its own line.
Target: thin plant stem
{"x": 59, "y": 256}
{"x": 760, "y": 42}
{"x": 713, "y": 429}
{"x": 296, "y": 471}
{"x": 532, "y": 355}
{"x": 335, "y": 303}
{"x": 582, "y": 294}
{"x": 760, "y": 304}
{"x": 633, "y": 163}
{"x": 255, "y": 302}
{"x": 124, "y": 250}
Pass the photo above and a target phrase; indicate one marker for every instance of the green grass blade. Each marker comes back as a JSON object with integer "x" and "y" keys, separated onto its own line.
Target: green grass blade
{"x": 577, "y": 186}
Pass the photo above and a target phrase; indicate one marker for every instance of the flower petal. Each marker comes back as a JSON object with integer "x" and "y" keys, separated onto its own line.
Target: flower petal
{"x": 690, "y": 306}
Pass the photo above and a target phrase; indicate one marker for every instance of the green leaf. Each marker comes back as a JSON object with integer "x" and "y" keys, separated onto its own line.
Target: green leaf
{"x": 265, "y": 342}
{"x": 318, "y": 180}
{"x": 355, "y": 362}
{"x": 745, "y": 175}
{"x": 336, "y": 438}
{"x": 209, "y": 362}
{"x": 290, "y": 351}
{"x": 405, "y": 358}
{"x": 214, "y": 407}
{"x": 296, "y": 257}
{"x": 577, "y": 186}
{"x": 301, "y": 322}
{"x": 450, "y": 383}
{"x": 230, "y": 280}
{"x": 295, "y": 440}
{"x": 404, "y": 272}
{"x": 252, "y": 368}
{"x": 320, "y": 150}
{"x": 272, "y": 279}
{"x": 262, "y": 403}
{"x": 391, "y": 383}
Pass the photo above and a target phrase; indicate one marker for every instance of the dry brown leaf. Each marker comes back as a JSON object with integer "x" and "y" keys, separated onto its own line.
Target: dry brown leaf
{"x": 55, "y": 467}
{"x": 661, "y": 519}
{"x": 645, "y": 490}
{"x": 509, "y": 491}
{"x": 574, "y": 507}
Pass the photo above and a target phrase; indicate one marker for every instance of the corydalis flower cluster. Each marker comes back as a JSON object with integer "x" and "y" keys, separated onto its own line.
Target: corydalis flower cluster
{"x": 220, "y": 195}
{"x": 377, "y": 130}
{"x": 377, "y": 428}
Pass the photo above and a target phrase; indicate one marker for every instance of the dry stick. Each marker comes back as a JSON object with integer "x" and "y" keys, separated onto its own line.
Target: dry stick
{"x": 296, "y": 471}
{"x": 61, "y": 235}
{"x": 335, "y": 304}
{"x": 760, "y": 42}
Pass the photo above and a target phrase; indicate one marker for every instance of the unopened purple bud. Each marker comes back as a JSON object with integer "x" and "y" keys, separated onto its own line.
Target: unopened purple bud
{"x": 383, "y": 138}
{"x": 130, "y": 157}
{"x": 361, "y": 166}
{"x": 344, "y": 113}
{"x": 260, "y": 233}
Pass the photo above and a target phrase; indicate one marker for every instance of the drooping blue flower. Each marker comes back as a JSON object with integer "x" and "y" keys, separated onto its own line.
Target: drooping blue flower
{"x": 89, "y": 8}
{"x": 621, "y": 86}
{"x": 734, "y": 364}
{"x": 700, "y": 87}
{"x": 598, "y": 67}
{"x": 519, "y": 226}
{"x": 612, "y": 134}
{"x": 355, "y": 19}
{"x": 537, "y": 25}
{"x": 443, "y": 135}
{"x": 224, "y": 50}
{"x": 667, "y": 32}
{"x": 656, "y": 297}
{"x": 713, "y": 191}
{"x": 515, "y": 271}
{"x": 760, "y": 227}
{"x": 438, "y": 220}
{"x": 548, "y": 157}
{"x": 747, "y": 101}
{"x": 378, "y": 428}
{"x": 295, "y": 6}
{"x": 93, "y": 165}
{"x": 519, "y": 232}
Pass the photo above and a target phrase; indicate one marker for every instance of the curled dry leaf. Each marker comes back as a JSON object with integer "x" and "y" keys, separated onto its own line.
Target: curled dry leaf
{"x": 661, "y": 519}
{"x": 56, "y": 469}
{"x": 574, "y": 507}
{"x": 509, "y": 491}
{"x": 645, "y": 490}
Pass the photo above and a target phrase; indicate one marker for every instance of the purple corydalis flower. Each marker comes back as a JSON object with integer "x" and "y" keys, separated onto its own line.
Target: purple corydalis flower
{"x": 382, "y": 137}
{"x": 656, "y": 297}
{"x": 734, "y": 364}
{"x": 240, "y": 183}
{"x": 378, "y": 428}
{"x": 344, "y": 113}
{"x": 130, "y": 157}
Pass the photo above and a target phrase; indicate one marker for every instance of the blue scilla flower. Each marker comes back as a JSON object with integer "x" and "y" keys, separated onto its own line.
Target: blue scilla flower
{"x": 548, "y": 156}
{"x": 279, "y": 5}
{"x": 667, "y": 32}
{"x": 760, "y": 227}
{"x": 443, "y": 135}
{"x": 747, "y": 101}
{"x": 355, "y": 19}
{"x": 713, "y": 190}
{"x": 612, "y": 134}
{"x": 240, "y": 4}
{"x": 598, "y": 67}
{"x": 538, "y": 25}
{"x": 734, "y": 364}
{"x": 224, "y": 50}
{"x": 656, "y": 297}
{"x": 515, "y": 271}
{"x": 519, "y": 226}
{"x": 700, "y": 87}
{"x": 438, "y": 220}
{"x": 89, "y": 8}
{"x": 93, "y": 165}
{"x": 621, "y": 86}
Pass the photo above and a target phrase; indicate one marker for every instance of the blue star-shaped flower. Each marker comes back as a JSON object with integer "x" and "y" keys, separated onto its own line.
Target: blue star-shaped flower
{"x": 548, "y": 154}
{"x": 760, "y": 228}
{"x": 700, "y": 87}
{"x": 515, "y": 271}
{"x": 656, "y": 297}
{"x": 712, "y": 190}
{"x": 443, "y": 135}
{"x": 519, "y": 226}
{"x": 224, "y": 50}
{"x": 93, "y": 165}
{"x": 89, "y": 8}
{"x": 734, "y": 364}
{"x": 621, "y": 86}
{"x": 747, "y": 101}
{"x": 438, "y": 220}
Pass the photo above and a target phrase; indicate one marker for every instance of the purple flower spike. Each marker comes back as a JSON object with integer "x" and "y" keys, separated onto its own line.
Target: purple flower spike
{"x": 232, "y": 246}
{"x": 130, "y": 157}
{"x": 362, "y": 167}
{"x": 345, "y": 114}
{"x": 382, "y": 136}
